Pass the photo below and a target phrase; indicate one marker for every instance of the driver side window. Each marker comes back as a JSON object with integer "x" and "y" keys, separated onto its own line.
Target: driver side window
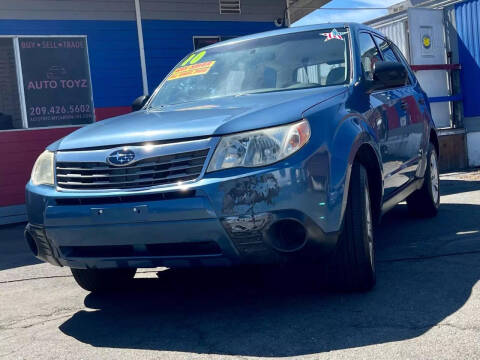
{"x": 369, "y": 54}
{"x": 322, "y": 74}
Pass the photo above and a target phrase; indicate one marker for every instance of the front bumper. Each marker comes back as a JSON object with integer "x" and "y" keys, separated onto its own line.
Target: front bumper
{"x": 226, "y": 218}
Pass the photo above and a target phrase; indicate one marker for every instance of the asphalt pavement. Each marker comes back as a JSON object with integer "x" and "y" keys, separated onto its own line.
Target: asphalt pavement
{"x": 426, "y": 304}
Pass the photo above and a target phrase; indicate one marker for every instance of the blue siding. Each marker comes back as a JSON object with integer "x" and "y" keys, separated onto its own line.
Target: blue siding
{"x": 113, "y": 52}
{"x": 467, "y": 16}
{"x": 168, "y": 41}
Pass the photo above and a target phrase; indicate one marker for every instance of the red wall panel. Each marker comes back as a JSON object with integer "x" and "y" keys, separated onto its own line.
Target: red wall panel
{"x": 20, "y": 149}
{"x": 105, "y": 113}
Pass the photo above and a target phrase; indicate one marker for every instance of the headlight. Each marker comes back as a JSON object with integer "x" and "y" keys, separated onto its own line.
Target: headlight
{"x": 42, "y": 173}
{"x": 260, "y": 147}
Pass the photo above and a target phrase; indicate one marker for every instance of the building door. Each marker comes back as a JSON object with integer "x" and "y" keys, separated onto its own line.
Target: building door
{"x": 427, "y": 47}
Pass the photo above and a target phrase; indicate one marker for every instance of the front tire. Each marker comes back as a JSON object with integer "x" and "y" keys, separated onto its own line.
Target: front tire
{"x": 98, "y": 280}
{"x": 425, "y": 201}
{"x": 354, "y": 266}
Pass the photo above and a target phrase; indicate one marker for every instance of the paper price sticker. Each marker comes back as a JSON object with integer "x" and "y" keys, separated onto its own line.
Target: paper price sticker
{"x": 191, "y": 70}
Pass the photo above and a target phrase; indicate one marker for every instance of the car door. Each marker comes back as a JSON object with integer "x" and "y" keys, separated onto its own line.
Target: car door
{"x": 418, "y": 109}
{"x": 405, "y": 138}
{"x": 386, "y": 114}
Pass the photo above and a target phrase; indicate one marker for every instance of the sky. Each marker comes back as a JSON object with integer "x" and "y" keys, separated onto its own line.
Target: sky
{"x": 323, "y": 15}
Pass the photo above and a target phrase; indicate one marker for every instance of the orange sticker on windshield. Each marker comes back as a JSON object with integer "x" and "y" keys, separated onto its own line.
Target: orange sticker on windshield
{"x": 191, "y": 70}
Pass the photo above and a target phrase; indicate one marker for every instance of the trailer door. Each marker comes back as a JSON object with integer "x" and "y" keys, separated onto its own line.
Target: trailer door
{"x": 427, "y": 47}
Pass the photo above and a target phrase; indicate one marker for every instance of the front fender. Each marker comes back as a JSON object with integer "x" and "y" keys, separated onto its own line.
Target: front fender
{"x": 351, "y": 134}
{"x": 344, "y": 133}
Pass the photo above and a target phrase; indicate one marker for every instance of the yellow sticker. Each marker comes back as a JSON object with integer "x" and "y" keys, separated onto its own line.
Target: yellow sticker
{"x": 191, "y": 70}
{"x": 427, "y": 41}
{"x": 194, "y": 58}
{"x": 188, "y": 59}
{"x": 197, "y": 57}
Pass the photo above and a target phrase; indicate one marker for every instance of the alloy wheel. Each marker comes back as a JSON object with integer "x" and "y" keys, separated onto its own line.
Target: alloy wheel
{"x": 368, "y": 219}
{"x": 434, "y": 177}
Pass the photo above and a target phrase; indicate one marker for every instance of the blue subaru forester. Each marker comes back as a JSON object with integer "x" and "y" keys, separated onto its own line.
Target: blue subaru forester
{"x": 280, "y": 147}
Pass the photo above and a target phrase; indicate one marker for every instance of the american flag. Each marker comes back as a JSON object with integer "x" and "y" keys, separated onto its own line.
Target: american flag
{"x": 334, "y": 34}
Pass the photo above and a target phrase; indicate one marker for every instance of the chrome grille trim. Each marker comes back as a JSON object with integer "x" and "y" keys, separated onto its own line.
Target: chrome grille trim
{"x": 158, "y": 166}
{"x": 109, "y": 167}
{"x": 112, "y": 175}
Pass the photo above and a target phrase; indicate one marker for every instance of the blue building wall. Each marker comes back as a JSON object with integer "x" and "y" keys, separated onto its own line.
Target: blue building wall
{"x": 467, "y": 16}
{"x": 114, "y": 52}
{"x": 168, "y": 41}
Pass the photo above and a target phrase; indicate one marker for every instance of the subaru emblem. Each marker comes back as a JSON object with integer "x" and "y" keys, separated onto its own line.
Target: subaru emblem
{"x": 121, "y": 157}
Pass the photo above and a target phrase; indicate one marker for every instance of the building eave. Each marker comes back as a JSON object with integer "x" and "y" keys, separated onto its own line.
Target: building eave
{"x": 300, "y": 8}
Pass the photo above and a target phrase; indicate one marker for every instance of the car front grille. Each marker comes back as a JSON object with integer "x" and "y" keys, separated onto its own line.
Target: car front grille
{"x": 159, "y": 170}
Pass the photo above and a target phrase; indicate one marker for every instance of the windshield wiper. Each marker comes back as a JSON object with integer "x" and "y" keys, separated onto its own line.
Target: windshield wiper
{"x": 304, "y": 86}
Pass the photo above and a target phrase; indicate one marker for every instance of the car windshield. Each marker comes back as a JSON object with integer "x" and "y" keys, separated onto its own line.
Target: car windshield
{"x": 282, "y": 62}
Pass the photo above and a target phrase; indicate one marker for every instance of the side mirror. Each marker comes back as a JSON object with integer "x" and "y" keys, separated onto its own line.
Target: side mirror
{"x": 387, "y": 74}
{"x": 390, "y": 74}
{"x": 139, "y": 102}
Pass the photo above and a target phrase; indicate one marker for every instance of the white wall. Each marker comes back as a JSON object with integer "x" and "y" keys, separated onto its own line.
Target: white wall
{"x": 397, "y": 32}
{"x": 473, "y": 147}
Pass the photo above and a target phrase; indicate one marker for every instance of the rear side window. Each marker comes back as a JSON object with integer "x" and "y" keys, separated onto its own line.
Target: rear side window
{"x": 389, "y": 54}
{"x": 369, "y": 54}
{"x": 386, "y": 50}
{"x": 399, "y": 54}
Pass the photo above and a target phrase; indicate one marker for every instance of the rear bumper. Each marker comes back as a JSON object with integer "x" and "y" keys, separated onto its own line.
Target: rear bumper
{"x": 218, "y": 221}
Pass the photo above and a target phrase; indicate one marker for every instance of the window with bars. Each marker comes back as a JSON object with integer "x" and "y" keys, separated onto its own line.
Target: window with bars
{"x": 44, "y": 81}
{"x": 202, "y": 41}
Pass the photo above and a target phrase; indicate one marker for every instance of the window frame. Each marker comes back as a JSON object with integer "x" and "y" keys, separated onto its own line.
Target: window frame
{"x": 21, "y": 88}
{"x": 359, "y": 50}
{"x": 219, "y": 37}
{"x": 375, "y": 37}
{"x": 403, "y": 59}
{"x": 411, "y": 79}
{"x": 194, "y": 37}
{"x": 399, "y": 58}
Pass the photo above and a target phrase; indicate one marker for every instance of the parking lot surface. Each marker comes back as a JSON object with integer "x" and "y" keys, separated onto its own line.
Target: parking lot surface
{"x": 426, "y": 304}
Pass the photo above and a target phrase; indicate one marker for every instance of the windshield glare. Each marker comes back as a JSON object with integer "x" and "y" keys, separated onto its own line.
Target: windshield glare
{"x": 276, "y": 63}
